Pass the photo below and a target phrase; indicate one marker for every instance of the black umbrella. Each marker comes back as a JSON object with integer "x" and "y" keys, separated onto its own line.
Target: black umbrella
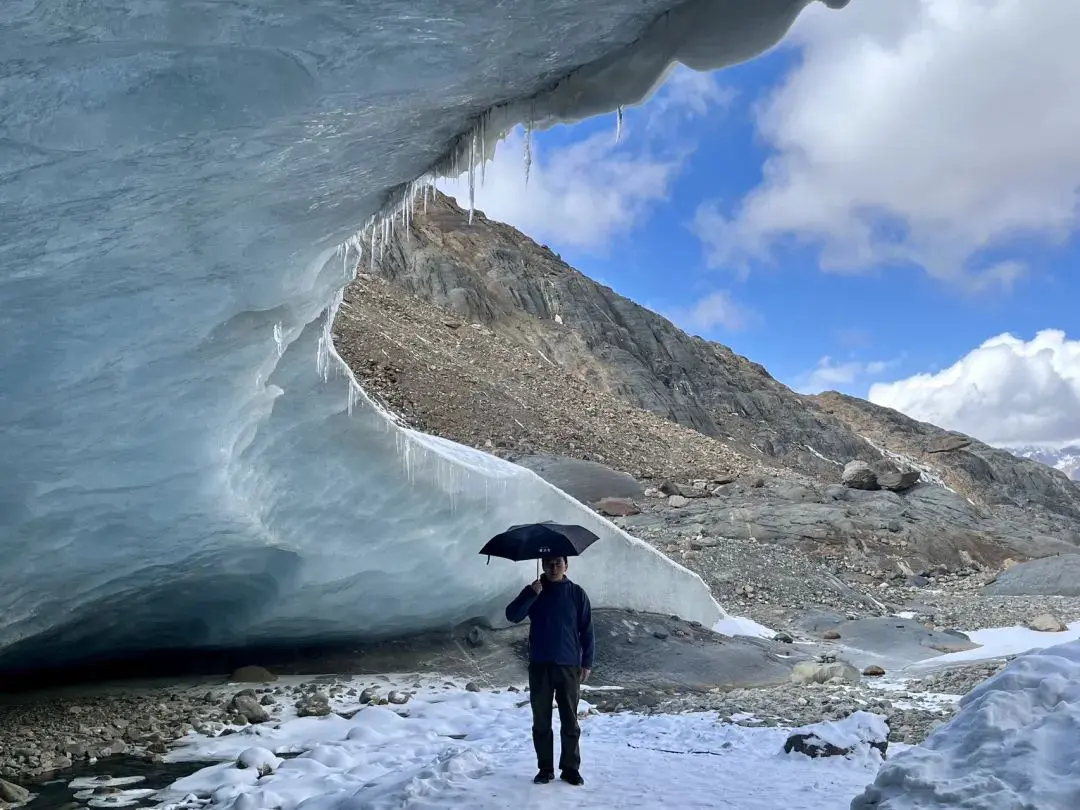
{"x": 534, "y": 541}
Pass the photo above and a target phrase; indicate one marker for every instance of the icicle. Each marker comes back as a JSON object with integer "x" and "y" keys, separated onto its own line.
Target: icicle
{"x": 528, "y": 150}
{"x": 279, "y": 338}
{"x": 618, "y": 123}
{"x": 483, "y": 147}
{"x": 472, "y": 176}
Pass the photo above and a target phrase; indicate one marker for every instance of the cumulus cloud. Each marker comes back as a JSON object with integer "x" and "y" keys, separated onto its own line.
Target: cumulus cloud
{"x": 917, "y": 132}
{"x": 587, "y": 193}
{"x": 830, "y": 375}
{"x": 583, "y": 195}
{"x": 716, "y": 311}
{"x": 1007, "y": 392}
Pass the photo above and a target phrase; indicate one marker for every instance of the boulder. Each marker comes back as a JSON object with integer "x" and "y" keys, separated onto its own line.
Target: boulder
{"x": 677, "y": 501}
{"x": 253, "y": 675}
{"x": 246, "y": 705}
{"x": 616, "y": 507}
{"x": 858, "y": 475}
{"x": 12, "y": 793}
{"x": 831, "y": 635}
{"x": 840, "y": 738}
{"x": 873, "y": 671}
{"x": 1047, "y": 623}
{"x": 898, "y": 482}
{"x": 315, "y": 704}
{"x": 824, "y": 672}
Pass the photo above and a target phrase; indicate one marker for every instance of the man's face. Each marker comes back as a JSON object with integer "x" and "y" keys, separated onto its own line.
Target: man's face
{"x": 555, "y": 568}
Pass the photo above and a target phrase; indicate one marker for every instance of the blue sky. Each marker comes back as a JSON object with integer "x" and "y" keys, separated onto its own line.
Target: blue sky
{"x": 848, "y": 212}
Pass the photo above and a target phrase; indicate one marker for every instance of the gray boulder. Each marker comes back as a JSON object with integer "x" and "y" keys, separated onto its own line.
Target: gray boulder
{"x": 1049, "y": 576}
{"x": 898, "y": 481}
{"x": 246, "y": 705}
{"x": 587, "y": 481}
{"x": 858, "y": 475}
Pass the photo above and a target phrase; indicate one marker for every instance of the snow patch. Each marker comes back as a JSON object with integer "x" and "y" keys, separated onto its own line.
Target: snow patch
{"x": 474, "y": 750}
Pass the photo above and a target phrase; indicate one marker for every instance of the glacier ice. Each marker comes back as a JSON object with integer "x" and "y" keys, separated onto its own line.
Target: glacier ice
{"x": 184, "y": 460}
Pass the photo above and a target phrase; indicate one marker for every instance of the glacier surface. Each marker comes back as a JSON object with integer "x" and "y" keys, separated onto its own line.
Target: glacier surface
{"x": 185, "y": 461}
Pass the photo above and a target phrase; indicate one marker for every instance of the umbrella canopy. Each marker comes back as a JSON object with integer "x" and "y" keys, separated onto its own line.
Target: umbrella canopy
{"x": 535, "y": 541}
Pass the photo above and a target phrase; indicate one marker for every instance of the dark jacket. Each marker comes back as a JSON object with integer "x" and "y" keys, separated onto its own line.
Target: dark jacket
{"x": 561, "y": 630}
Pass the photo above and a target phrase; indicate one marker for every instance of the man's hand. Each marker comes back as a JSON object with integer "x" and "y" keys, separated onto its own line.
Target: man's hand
{"x": 537, "y": 587}
{"x": 585, "y": 671}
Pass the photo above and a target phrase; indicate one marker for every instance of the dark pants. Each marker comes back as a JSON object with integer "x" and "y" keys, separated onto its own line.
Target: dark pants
{"x": 564, "y": 684}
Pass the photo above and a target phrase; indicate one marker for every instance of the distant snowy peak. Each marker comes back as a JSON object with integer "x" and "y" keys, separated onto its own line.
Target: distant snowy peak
{"x": 1067, "y": 459}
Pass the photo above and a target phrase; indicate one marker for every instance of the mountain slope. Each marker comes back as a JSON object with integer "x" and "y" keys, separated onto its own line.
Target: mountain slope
{"x": 475, "y": 332}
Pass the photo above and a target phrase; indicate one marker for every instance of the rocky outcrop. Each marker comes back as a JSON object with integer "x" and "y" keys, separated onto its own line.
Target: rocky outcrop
{"x": 1017, "y": 489}
{"x": 1049, "y": 576}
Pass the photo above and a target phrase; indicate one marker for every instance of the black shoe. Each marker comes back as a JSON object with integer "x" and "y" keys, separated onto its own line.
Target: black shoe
{"x": 543, "y": 777}
{"x": 573, "y": 777}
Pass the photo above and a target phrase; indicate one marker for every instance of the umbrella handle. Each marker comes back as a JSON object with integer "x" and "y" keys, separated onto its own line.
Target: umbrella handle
{"x": 538, "y": 568}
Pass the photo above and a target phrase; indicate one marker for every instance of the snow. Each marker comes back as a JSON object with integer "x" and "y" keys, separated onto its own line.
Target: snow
{"x": 1012, "y": 745}
{"x": 742, "y": 626}
{"x": 186, "y": 461}
{"x": 857, "y": 730}
{"x": 999, "y": 642}
{"x": 474, "y": 750}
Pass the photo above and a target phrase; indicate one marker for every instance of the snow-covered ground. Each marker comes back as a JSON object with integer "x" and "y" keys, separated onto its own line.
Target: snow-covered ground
{"x": 457, "y": 749}
{"x": 999, "y": 642}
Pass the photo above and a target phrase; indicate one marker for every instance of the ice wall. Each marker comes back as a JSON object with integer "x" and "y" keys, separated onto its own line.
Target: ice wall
{"x": 182, "y": 462}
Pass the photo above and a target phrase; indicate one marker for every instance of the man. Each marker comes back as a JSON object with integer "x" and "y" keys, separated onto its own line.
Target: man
{"x": 561, "y": 644}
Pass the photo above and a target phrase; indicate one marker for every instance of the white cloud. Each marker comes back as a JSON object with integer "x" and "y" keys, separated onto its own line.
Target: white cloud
{"x": 917, "y": 131}
{"x": 1007, "y": 392}
{"x": 715, "y": 311}
{"x": 829, "y": 375}
{"x": 688, "y": 94}
{"x": 590, "y": 192}
{"x": 583, "y": 195}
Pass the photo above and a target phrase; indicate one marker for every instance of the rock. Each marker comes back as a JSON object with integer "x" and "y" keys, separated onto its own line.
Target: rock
{"x": 315, "y": 704}
{"x": 471, "y": 687}
{"x": 828, "y": 739}
{"x": 369, "y": 694}
{"x": 267, "y": 700}
{"x": 12, "y": 793}
{"x": 397, "y": 698}
{"x": 253, "y": 675}
{"x": 475, "y": 638}
{"x": 873, "y": 671}
{"x": 616, "y": 507}
{"x": 1047, "y": 623}
{"x": 948, "y": 444}
{"x": 831, "y": 635}
{"x": 784, "y": 638}
{"x": 1058, "y": 575}
{"x": 261, "y": 759}
{"x": 858, "y": 475}
{"x": 671, "y": 488}
{"x": 818, "y": 672}
{"x": 813, "y": 746}
{"x": 677, "y": 501}
{"x": 898, "y": 482}
{"x": 245, "y": 705}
